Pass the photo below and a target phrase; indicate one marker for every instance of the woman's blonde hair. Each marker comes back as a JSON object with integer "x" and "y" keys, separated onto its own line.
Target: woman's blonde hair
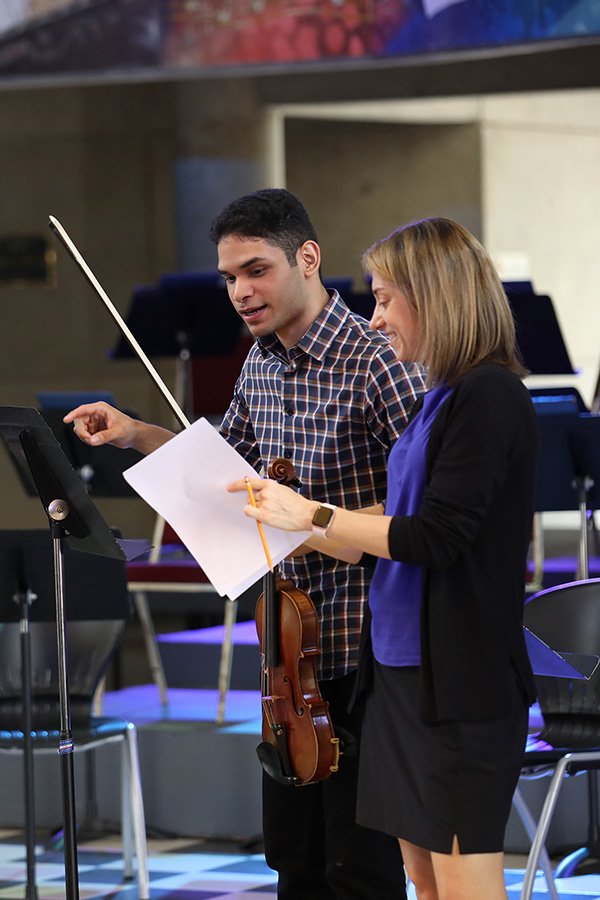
{"x": 463, "y": 315}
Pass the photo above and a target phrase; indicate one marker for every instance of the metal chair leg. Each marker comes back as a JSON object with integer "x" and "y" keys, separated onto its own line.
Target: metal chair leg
{"x": 137, "y": 814}
{"x": 226, "y": 657}
{"x": 156, "y": 667}
{"x": 541, "y": 833}
{"x": 126, "y": 812}
{"x": 529, "y": 824}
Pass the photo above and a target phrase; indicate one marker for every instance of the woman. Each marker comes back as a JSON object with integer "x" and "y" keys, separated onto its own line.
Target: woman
{"x": 447, "y": 703}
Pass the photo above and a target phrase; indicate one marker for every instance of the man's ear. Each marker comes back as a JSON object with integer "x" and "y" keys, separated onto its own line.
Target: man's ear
{"x": 309, "y": 257}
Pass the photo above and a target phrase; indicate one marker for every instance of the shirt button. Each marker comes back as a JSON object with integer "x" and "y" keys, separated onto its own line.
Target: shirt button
{"x": 287, "y": 454}
{"x": 289, "y": 411}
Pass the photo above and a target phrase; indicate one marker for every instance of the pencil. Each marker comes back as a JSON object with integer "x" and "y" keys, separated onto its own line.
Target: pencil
{"x": 260, "y": 528}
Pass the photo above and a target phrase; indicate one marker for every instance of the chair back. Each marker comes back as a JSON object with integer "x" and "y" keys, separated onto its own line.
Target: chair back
{"x": 567, "y": 618}
{"x": 91, "y": 646}
{"x": 96, "y": 607}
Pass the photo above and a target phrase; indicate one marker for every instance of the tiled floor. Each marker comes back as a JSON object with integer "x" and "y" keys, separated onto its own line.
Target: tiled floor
{"x": 185, "y": 869}
{"x": 179, "y": 870}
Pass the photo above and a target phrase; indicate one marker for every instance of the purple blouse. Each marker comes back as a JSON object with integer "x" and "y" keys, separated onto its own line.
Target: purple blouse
{"x": 395, "y": 593}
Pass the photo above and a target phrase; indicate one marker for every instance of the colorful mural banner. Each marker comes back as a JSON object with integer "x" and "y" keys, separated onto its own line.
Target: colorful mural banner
{"x": 178, "y": 34}
{"x": 226, "y": 32}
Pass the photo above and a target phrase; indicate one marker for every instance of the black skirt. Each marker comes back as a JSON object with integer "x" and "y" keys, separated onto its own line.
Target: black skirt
{"x": 427, "y": 782}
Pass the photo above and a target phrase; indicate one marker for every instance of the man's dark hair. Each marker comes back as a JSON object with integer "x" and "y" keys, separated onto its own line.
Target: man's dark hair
{"x": 273, "y": 215}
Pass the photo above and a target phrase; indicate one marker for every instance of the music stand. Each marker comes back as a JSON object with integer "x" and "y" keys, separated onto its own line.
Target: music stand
{"x": 27, "y": 595}
{"x": 186, "y": 315}
{"x": 538, "y": 333}
{"x": 73, "y": 520}
{"x": 586, "y": 453}
{"x": 100, "y": 468}
{"x": 568, "y": 475}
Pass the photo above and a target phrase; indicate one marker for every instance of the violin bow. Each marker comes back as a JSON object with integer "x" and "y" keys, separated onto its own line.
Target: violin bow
{"x": 230, "y": 605}
{"x": 60, "y": 232}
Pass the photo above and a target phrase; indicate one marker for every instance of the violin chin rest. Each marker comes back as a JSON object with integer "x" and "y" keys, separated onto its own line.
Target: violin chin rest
{"x": 271, "y": 763}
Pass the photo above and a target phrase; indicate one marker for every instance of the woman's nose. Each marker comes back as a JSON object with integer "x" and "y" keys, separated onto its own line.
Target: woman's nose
{"x": 377, "y": 321}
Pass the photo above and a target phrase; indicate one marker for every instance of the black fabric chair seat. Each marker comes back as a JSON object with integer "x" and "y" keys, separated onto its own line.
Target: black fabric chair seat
{"x": 567, "y": 618}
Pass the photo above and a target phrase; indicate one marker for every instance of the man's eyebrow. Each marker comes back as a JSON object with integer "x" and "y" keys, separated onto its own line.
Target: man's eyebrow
{"x": 244, "y": 265}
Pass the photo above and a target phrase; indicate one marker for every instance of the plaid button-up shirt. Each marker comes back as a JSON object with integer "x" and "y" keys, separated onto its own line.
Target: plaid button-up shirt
{"x": 333, "y": 405}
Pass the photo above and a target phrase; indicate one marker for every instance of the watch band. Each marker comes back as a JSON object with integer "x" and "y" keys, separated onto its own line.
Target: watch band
{"x": 322, "y": 519}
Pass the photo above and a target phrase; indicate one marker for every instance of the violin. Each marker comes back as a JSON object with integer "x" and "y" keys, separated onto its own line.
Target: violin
{"x": 299, "y": 742}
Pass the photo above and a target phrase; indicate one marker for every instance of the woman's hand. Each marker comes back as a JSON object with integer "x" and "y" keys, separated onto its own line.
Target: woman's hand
{"x": 276, "y": 505}
{"x": 348, "y": 536}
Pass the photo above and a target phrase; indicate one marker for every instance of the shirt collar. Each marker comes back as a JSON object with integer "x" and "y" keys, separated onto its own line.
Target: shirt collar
{"x": 318, "y": 337}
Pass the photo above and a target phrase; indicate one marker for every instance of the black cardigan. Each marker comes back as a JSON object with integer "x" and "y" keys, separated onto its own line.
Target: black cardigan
{"x": 471, "y": 537}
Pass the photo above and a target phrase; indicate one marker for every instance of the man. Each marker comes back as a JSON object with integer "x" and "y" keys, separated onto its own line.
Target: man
{"x": 323, "y": 390}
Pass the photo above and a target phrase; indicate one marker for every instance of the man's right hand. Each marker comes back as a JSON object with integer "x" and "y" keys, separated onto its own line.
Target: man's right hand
{"x": 99, "y": 423}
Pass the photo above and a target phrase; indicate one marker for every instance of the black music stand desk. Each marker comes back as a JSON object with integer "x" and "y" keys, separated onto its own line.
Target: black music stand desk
{"x": 569, "y": 468}
{"x": 74, "y": 521}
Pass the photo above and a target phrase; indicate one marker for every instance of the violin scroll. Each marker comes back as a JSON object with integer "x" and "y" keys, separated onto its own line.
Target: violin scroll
{"x": 283, "y": 471}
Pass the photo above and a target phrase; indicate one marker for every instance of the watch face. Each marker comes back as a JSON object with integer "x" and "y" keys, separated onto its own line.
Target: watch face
{"x": 322, "y": 517}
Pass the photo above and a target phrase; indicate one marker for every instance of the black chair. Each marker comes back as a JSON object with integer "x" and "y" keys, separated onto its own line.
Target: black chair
{"x": 92, "y": 643}
{"x": 567, "y": 618}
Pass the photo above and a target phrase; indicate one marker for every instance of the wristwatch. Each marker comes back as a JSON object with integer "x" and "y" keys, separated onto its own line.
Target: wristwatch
{"x": 323, "y": 518}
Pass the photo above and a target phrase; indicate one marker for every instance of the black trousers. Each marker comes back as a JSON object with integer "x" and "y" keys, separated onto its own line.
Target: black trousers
{"x": 310, "y": 832}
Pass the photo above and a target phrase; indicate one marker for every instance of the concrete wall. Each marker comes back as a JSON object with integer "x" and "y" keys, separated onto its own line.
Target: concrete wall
{"x": 219, "y": 155}
{"x": 541, "y": 196}
{"x": 364, "y": 179}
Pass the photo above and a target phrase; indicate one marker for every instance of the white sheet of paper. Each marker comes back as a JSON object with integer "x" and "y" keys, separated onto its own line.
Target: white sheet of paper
{"x": 185, "y": 481}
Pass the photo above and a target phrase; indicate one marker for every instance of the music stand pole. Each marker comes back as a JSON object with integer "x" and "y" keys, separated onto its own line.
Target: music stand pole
{"x": 57, "y": 511}
{"x": 583, "y": 485}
